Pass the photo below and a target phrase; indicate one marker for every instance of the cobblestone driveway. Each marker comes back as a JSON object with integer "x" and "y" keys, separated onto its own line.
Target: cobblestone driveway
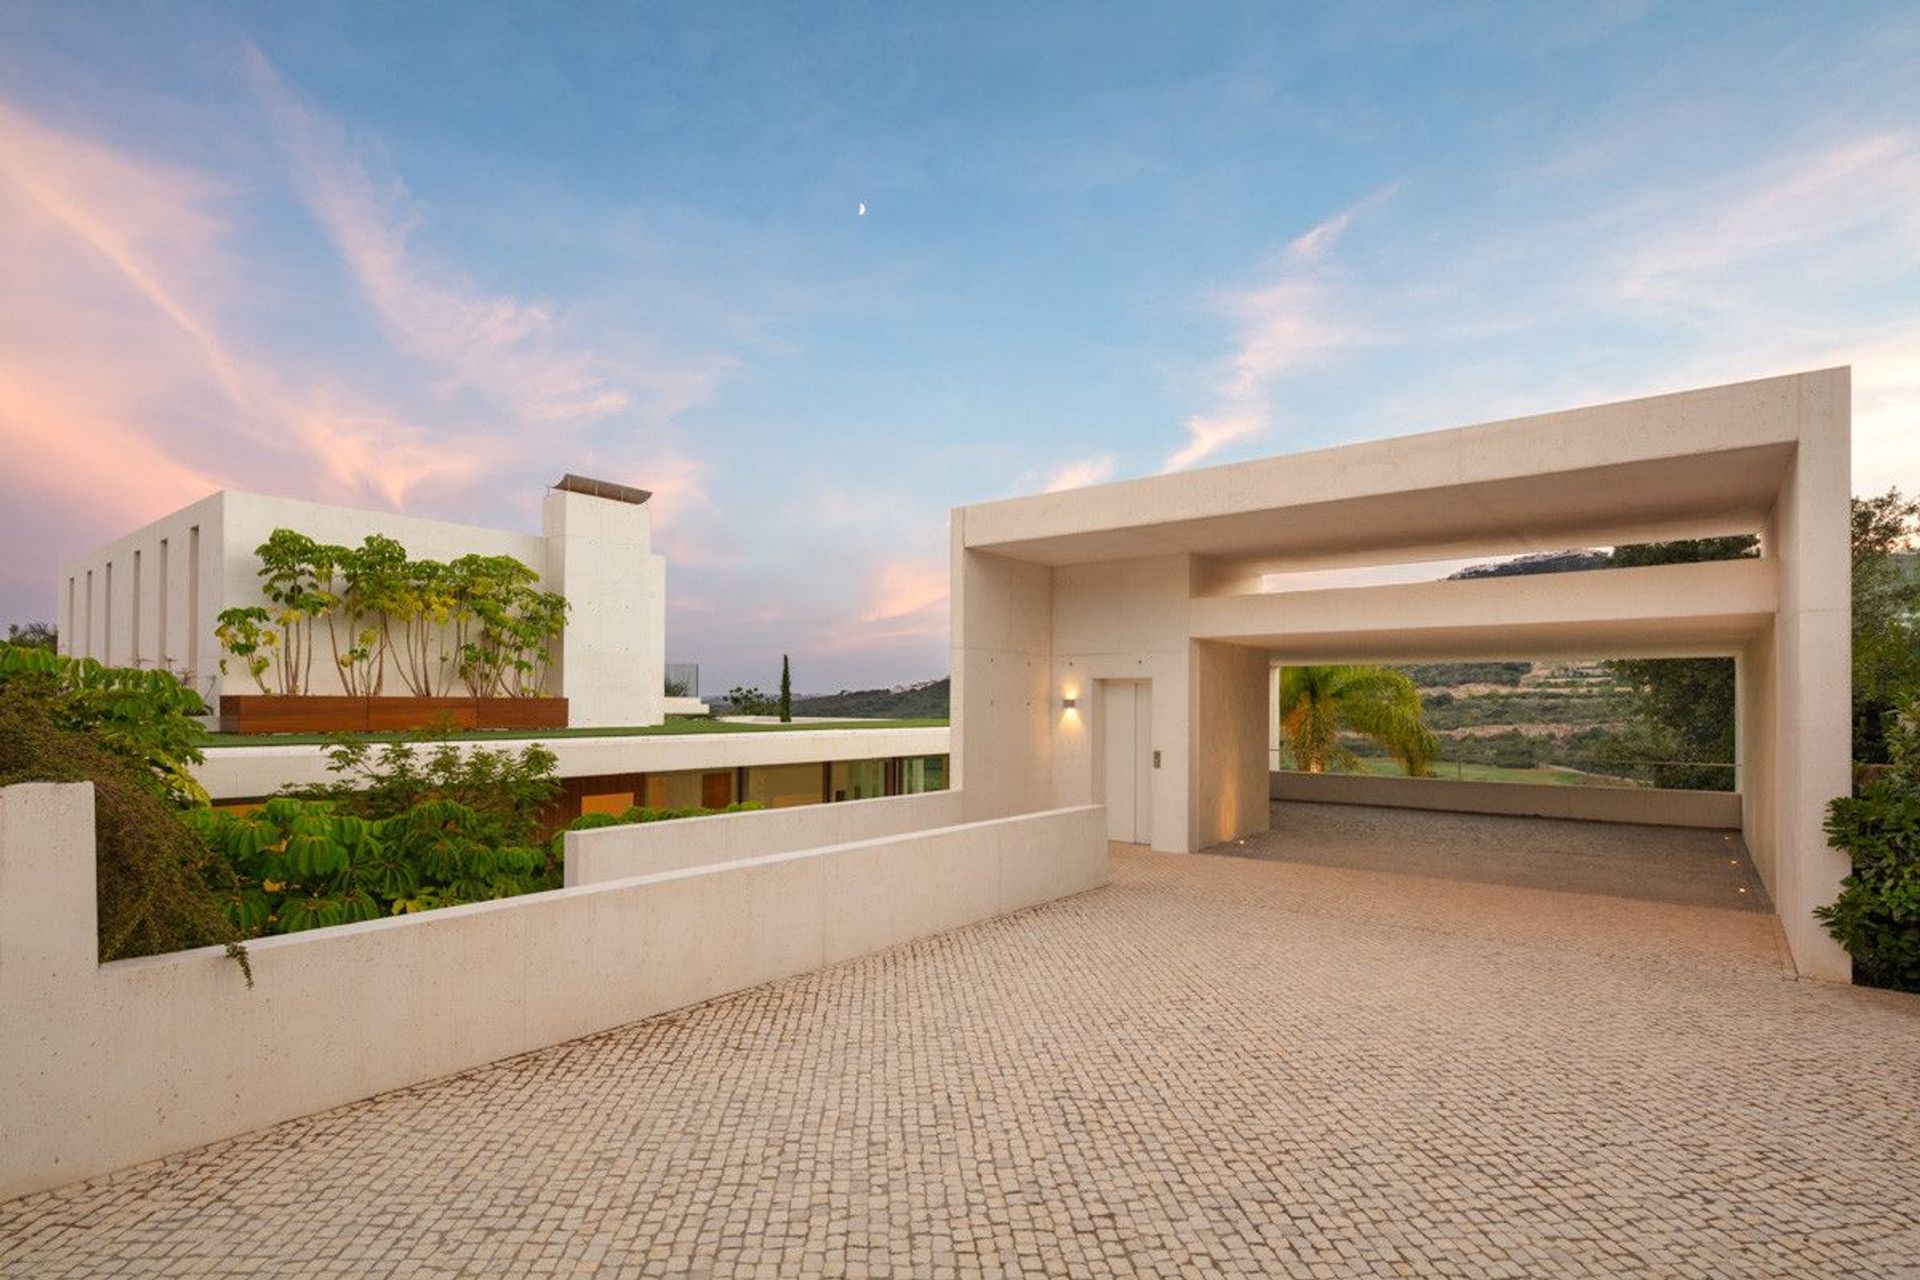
{"x": 1214, "y": 1066}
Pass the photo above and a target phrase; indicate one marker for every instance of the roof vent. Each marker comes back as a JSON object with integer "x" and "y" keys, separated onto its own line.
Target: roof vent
{"x": 571, "y": 483}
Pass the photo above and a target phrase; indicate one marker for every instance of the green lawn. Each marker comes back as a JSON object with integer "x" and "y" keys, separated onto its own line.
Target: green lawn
{"x": 672, "y": 728}
{"x": 1452, "y": 771}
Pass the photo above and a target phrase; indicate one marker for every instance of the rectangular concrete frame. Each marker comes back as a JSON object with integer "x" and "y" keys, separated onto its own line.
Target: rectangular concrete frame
{"x": 103, "y": 1066}
{"x": 1161, "y": 579}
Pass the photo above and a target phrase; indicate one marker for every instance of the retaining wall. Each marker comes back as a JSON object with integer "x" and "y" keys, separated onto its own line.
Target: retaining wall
{"x": 1717, "y": 810}
{"x": 646, "y": 848}
{"x": 103, "y": 1066}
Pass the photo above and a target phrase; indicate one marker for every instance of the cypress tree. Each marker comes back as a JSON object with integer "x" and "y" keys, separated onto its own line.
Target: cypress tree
{"x": 786, "y": 690}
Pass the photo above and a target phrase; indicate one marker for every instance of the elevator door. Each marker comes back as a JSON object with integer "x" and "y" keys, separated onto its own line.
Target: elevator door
{"x": 1127, "y": 719}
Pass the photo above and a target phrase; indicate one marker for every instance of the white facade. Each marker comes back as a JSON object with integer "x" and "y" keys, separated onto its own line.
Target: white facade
{"x": 1058, "y": 597}
{"x": 150, "y": 599}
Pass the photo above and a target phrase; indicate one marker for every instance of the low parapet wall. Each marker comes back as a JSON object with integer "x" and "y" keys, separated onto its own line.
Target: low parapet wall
{"x": 1717, "y": 810}
{"x": 103, "y": 1066}
{"x": 646, "y": 848}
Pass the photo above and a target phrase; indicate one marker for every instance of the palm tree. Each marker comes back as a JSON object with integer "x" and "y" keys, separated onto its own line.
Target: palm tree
{"x": 1317, "y": 703}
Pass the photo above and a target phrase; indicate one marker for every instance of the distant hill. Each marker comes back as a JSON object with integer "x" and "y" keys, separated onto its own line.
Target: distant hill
{"x": 924, "y": 701}
{"x": 1538, "y": 562}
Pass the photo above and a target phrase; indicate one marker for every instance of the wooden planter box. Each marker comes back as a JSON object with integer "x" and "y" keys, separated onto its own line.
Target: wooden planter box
{"x": 334, "y": 713}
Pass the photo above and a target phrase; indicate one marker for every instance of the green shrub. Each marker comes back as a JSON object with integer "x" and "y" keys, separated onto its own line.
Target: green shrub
{"x": 152, "y": 870}
{"x": 512, "y": 791}
{"x": 299, "y": 864}
{"x": 637, "y": 813}
{"x": 1877, "y": 915}
{"x": 145, "y": 718}
{"x": 481, "y": 618}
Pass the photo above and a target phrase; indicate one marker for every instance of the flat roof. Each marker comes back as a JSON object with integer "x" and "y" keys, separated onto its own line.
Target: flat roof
{"x": 571, "y": 483}
{"x": 1688, "y": 464}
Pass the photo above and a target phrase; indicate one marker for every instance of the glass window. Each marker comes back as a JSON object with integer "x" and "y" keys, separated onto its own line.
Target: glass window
{"x": 923, "y": 773}
{"x": 858, "y": 779}
{"x": 781, "y": 786}
{"x": 679, "y": 790}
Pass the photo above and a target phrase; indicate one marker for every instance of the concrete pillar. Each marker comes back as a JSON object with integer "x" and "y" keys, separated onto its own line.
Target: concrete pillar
{"x": 1227, "y": 778}
{"x": 1003, "y": 700}
{"x": 1810, "y": 675}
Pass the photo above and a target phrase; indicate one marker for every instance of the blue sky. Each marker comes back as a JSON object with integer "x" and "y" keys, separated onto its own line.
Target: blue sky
{"x": 430, "y": 257}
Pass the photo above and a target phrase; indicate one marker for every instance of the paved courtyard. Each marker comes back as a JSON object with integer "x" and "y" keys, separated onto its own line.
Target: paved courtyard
{"x": 1214, "y": 1066}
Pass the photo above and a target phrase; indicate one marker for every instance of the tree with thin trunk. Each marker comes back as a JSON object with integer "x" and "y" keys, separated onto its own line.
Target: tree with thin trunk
{"x": 786, "y": 690}
{"x": 1318, "y": 703}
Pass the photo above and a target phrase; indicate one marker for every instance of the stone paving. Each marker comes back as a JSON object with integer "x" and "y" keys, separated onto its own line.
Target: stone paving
{"x": 1215, "y": 1066}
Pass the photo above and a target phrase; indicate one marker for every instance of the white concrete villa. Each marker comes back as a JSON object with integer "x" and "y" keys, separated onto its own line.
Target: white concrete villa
{"x": 153, "y": 597}
{"x": 1111, "y": 653}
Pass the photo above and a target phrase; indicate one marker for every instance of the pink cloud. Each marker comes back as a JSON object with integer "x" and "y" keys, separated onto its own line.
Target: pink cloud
{"x": 1282, "y": 324}
{"x": 514, "y": 351}
{"x": 1080, "y": 472}
{"x": 133, "y": 376}
{"x": 903, "y": 601}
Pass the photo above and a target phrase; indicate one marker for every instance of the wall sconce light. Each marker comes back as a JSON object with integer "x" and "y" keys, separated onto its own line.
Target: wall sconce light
{"x": 1068, "y": 704}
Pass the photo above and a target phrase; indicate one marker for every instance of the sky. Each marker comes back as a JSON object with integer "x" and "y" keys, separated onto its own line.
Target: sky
{"x": 430, "y": 257}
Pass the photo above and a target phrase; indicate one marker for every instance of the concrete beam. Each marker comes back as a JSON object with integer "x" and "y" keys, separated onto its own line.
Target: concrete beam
{"x": 1675, "y": 610}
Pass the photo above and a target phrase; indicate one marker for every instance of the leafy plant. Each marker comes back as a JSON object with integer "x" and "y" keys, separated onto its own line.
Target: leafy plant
{"x": 1886, "y": 617}
{"x": 638, "y": 813}
{"x": 245, "y": 636}
{"x": 749, "y": 701}
{"x": 1317, "y": 703}
{"x": 480, "y": 619}
{"x": 364, "y": 583}
{"x": 510, "y": 792}
{"x": 33, "y": 635}
{"x": 295, "y": 572}
{"x": 144, "y": 718}
{"x": 151, "y": 870}
{"x": 298, "y": 864}
{"x": 1877, "y": 915}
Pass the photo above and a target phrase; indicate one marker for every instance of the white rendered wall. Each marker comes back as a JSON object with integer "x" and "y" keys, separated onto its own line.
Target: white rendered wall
{"x": 174, "y": 628}
{"x": 1002, "y": 611}
{"x": 104, "y": 1066}
{"x": 646, "y": 848}
{"x": 1125, "y": 620}
{"x": 613, "y": 655}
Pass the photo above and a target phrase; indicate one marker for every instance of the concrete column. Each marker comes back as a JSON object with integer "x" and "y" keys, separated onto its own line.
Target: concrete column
{"x": 1811, "y": 671}
{"x": 1227, "y": 778}
{"x": 1003, "y": 700}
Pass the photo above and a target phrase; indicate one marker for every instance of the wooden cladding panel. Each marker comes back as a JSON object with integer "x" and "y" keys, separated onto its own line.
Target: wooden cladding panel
{"x": 272, "y": 713}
